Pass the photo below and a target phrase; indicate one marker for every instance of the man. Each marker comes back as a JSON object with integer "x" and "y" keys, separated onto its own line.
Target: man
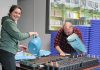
{"x": 61, "y": 44}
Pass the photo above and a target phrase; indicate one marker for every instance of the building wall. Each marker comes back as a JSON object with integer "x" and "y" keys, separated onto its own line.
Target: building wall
{"x": 33, "y": 19}
{"x": 39, "y": 20}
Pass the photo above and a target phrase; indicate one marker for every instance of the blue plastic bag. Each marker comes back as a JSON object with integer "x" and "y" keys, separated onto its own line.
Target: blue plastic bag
{"x": 34, "y": 46}
{"x": 76, "y": 43}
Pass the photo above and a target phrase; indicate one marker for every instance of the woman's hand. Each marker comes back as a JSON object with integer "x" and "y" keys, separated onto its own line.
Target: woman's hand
{"x": 23, "y": 48}
{"x": 33, "y": 33}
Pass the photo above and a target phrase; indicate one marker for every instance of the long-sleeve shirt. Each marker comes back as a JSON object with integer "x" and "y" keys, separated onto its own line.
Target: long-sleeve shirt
{"x": 10, "y": 35}
{"x": 61, "y": 41}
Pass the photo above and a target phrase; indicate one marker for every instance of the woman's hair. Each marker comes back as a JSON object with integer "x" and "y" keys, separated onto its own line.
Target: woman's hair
{"x": 12, "y": 8}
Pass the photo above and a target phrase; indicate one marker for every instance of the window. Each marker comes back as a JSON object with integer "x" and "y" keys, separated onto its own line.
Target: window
{"x": 79, "y": 12}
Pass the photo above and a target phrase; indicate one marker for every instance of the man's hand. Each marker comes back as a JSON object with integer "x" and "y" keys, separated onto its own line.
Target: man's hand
{"x": 62, "y": 54}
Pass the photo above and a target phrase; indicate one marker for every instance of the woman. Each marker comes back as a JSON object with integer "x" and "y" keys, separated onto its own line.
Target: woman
{"x": 10, "y": 35}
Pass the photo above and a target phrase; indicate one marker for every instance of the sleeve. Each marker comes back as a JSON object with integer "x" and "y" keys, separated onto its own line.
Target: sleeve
{"x": 58, "y": 38}
{"x": 13, "y": 30}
